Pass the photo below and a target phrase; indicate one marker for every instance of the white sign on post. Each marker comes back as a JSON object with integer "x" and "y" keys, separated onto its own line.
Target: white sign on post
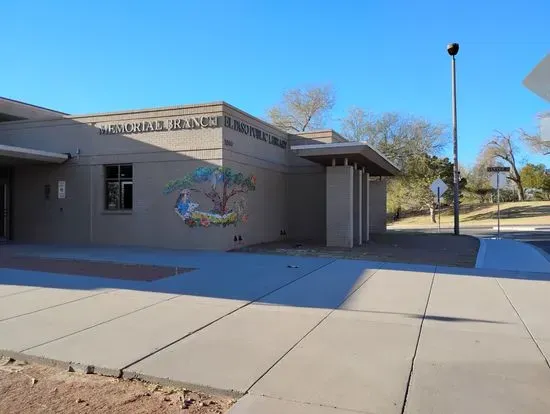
{"x": 499, "y": 180}
{"x": 438, "y": 187}
{"x": 61, "y": 189}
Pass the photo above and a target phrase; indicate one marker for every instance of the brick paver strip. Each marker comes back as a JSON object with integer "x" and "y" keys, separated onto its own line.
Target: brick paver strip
{"x": 110, "y": 270}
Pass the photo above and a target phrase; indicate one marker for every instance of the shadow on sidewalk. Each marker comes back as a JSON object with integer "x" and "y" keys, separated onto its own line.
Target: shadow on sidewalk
{"x": 271, "y": 279}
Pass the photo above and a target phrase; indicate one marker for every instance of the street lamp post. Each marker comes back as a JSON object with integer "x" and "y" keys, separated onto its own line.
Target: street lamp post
{"x": 452, "y": 49}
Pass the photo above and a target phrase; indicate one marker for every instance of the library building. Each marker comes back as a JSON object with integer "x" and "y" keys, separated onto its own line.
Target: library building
{"x": 185, "y": 177}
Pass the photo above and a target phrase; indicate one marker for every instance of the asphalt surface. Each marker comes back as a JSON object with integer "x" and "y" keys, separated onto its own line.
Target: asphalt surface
{"x": 540, "y": 239}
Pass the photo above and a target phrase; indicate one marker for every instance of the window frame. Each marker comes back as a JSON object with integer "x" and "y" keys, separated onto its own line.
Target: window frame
{"x": 121, "y": 183}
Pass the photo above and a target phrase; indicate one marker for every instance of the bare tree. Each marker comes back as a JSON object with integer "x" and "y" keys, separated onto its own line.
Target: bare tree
{"x": 478, "y": 179}
{"x": 503, "y": 147}
{"x": 397, "y": 136}
{"x": 303, "y": 109}
{"x": 536, "y": 143}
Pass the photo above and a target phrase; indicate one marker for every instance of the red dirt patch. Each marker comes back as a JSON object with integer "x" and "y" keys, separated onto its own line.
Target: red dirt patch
{"x": 43, "y": 389}
{"x": 110, "y": 270}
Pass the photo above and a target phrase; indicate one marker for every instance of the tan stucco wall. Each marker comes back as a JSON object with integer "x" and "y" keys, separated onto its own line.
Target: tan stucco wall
{"x": 307, "y": 205}
{"x": 290, "y": 192}
{"x": 267, "y": 205}
{"x": 157, "y": 158}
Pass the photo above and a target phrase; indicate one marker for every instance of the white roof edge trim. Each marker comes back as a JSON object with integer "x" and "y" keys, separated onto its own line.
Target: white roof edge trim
{"x": 29, "y": 153}
{"x": 344, "y": 145}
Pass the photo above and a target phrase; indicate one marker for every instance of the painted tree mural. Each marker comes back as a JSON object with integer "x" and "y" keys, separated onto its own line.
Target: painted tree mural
{"x": 221, "y": 185}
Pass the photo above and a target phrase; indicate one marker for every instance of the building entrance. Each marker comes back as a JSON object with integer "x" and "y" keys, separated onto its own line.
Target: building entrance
{"x": 4, "y": 209}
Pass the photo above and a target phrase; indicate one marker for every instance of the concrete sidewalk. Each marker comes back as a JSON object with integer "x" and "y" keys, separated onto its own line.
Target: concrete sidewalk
{"x": 321, "y": 336}
{"x": 511, "y": 255}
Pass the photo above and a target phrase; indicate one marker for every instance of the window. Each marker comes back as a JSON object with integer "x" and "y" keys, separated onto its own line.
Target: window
{"x": 118, "y": 187}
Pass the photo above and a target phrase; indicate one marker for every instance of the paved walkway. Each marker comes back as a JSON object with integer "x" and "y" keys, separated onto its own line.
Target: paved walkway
{"x": 511, "y": 255}
{"x": 296, "y": 335}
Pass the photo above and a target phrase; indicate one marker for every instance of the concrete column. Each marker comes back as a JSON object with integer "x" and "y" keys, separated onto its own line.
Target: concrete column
{"x": 377, "y": 206}
{"x": 357, "y": 207}
{"x": 339, "y": 206}
{"x": 366, "y": 207}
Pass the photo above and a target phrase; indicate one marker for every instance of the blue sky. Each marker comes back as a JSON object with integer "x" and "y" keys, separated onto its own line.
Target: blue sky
{"x": 82, "y": 57}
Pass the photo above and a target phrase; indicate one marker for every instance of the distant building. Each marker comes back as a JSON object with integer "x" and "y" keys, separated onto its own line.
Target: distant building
{"x": 204, "y": 176}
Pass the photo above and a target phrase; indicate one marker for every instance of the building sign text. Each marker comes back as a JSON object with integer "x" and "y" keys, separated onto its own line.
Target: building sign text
{"x": 196, "y": 122}
{"x": 246, "y": 129}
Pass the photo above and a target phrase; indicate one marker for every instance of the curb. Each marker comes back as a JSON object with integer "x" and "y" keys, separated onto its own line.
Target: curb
{"x": 116, "y": 373}
{"x": 542, "y": 252}
{"x": 481, "y": 260}
{"x": 481, "y": 253}
{"x": 521, "y": 228}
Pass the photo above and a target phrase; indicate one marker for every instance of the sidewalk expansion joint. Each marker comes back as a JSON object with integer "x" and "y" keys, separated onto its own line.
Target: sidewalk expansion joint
{"x": 20, "y": 292}
{"x": 409, "y": 380}
{"x": 56, "y": 305}
{"x": 350, "y": 410}
{"x": 523, "y": 323}
{"x": 101, "y": 323}
{"x": 162, "y": 348}
{"x": 312, "y": 329}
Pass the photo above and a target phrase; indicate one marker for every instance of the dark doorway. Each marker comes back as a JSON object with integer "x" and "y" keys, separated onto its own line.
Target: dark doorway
{"x": 4, "y": 204}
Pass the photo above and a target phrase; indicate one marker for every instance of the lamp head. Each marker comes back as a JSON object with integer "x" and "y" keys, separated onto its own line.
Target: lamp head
{"x": 452, "y": 49}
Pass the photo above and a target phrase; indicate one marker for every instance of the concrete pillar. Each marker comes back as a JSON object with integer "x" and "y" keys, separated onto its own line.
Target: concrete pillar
{"x": 366, "y": 207}
{"x": 339, "y": 206}
{"x": 357, "y": 207}
{"x": 377, "y": 206}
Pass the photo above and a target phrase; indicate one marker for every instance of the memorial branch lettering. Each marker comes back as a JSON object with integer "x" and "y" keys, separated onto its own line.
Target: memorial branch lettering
{"x": 195, "y": 122}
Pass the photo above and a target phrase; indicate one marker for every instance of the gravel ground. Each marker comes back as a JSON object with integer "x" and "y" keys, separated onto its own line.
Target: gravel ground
{"x": 401, "y": 247}
{"x": 31, "y": 388}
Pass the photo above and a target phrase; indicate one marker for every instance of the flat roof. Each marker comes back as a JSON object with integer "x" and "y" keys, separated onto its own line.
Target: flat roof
{"x": 24, "y": 110}
{"x": 18, "y": 154}
{"x": 356, "y": 152}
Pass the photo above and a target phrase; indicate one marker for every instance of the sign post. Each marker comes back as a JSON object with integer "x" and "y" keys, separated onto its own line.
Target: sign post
{"x": 438, "y": 187}
{"x": 495, "y": 182}
{"x": 438, "y": 209}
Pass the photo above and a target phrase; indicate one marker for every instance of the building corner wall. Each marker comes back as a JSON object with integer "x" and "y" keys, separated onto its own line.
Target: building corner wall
{"x": 357, "y": 206}
{"x": 339, "y": 201}
{"x": 377, "y": 206}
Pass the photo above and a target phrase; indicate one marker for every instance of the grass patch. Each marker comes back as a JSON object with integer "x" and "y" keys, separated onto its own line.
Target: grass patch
{"x": 524, "y": 212}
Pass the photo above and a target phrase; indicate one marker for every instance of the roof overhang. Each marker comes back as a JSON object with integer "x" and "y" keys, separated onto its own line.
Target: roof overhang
{"x": 355, "y": 152}
{"x": 16, "y": 155}
{"x": 10, "y": 109}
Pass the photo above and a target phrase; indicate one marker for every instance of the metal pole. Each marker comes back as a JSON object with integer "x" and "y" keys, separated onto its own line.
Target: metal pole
{"x": 498, "y": 205}
{"x": 438, "y": 210}
{"x": 455, "y": 150}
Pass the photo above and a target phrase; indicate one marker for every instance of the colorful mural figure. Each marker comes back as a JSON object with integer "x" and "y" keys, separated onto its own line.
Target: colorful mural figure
{"x": 225, "y": 188}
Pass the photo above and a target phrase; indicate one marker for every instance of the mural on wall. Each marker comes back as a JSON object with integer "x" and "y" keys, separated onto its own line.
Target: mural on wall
{"x": 221, "y": 185}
